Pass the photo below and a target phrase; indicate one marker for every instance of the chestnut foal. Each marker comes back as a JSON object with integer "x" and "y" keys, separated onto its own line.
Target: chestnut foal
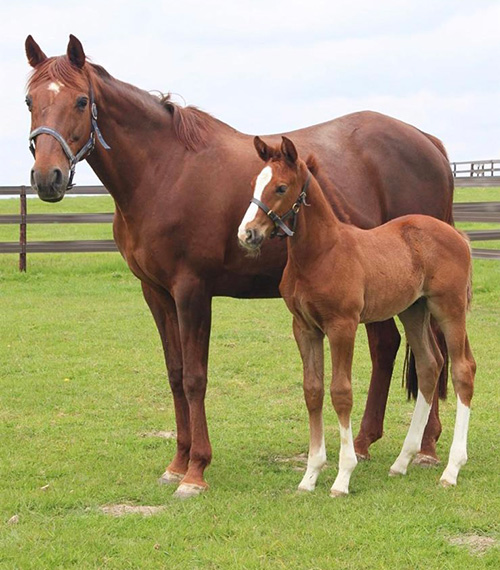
{"x": 338, "y": 276}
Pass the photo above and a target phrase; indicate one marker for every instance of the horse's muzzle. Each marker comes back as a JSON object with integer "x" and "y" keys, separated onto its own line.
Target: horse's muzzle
{"x": 50, "y": 185}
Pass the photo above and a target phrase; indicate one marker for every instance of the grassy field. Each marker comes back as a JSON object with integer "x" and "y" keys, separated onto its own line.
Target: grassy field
{"x": 83, "y": 393}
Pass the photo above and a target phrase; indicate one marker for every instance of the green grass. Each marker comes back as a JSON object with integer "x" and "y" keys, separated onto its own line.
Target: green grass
{"x": 82, "y": 380}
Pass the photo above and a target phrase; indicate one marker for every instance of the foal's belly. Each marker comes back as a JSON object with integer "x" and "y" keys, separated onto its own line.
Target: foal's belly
{"x": 384, "y": 302}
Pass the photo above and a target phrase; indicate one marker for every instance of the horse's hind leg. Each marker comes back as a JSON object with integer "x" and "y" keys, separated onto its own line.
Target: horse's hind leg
{"x": 428, "y": 361}
{"x": 310, "y": 343}
{"x": 384, "y": 340}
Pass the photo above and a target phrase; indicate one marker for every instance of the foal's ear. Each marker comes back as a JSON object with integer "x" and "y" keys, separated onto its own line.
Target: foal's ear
{"x": 75, "y": 52}
{"x": 33, "y": 52}
{"x": 289, "y": 151}
{"x": 263, "y": 150}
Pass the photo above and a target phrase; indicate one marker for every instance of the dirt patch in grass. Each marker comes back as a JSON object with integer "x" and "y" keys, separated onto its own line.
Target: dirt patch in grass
{"x": 161, "y": 434}
{"x": 297, "y": 462}
{"x": 121, "y": 510}
{"x": 475, "y": 543}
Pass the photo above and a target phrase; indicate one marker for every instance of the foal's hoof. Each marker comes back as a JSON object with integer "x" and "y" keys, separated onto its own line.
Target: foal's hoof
{"x": 188, "y": 490}
{"x": 445, "y": 483}
{"x": 396, "y": 473}
{"x": 170, "y": 478}
{"x": 335, "y": 494}
{"x": 425, "y": 460}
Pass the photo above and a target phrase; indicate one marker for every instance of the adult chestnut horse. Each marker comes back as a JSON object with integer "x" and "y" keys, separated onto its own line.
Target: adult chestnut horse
{"x": 180, "y": 181}
{"x": 338, "y": 276}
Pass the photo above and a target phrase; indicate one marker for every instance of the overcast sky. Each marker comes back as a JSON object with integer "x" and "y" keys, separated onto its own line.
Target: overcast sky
{"x": 270, "y": 66}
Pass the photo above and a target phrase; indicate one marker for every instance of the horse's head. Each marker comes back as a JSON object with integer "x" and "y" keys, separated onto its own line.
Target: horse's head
{"x": 278, "y": 193}
{"x": 60, "y": 99}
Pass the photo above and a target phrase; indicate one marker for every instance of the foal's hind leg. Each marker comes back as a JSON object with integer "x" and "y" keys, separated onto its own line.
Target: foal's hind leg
{"x": 428, "y": 361}
{"x": 310, "y": 343}
{"x": 463, "y": 370}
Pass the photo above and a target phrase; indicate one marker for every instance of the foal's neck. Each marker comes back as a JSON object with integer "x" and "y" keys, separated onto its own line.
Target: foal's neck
{"x": 317, "y": 226}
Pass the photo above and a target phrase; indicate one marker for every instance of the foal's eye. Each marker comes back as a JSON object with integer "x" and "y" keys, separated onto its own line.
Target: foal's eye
{"x": 281, "y": 189}
{"x": 81, "y": 102}
{"x": 29, "y": 102}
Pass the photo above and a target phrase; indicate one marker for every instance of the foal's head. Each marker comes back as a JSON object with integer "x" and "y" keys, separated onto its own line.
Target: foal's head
{"x": 59, "y": 100}
{"x": 277, "y": 187}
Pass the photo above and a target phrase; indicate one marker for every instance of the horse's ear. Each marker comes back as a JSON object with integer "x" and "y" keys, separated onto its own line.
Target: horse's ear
{"x": 289, "y": 151}
{"x": 75, "y": 52}
{"x": 263, "y": 150}
{"x": 33, "y": 52}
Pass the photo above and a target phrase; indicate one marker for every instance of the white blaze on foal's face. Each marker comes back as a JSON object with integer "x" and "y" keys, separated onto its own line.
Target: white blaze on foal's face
{"x": 262, "y": 181}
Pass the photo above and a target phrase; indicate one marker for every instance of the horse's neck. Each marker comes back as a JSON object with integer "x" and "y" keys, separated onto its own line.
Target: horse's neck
{"x": 317, "y": 227}
{"x": 141, "y": 136}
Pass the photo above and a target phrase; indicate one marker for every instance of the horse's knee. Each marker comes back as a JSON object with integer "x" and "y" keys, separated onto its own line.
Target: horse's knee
{"x": 195, "y": 386}
{"x": 175, "y": 381}
{"x": 341, "y": 395}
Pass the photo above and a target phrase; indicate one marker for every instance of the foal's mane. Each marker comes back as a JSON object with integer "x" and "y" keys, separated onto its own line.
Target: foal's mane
{"x": 192, "y": 126}
{"x": 315, "y": 169}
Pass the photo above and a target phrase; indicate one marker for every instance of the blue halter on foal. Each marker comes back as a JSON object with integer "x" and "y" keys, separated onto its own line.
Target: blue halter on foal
{"x": 279, "y": 221}
{"x": 87, "y": 148}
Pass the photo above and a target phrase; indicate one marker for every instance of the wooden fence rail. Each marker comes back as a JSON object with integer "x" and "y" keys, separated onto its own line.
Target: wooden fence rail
{"x": 463, "y": 212}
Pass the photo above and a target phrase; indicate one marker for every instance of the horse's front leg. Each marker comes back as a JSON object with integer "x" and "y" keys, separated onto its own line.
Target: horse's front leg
{"x": 194, "y": 308}
{"x": 341, "y": 335}
{"x": 163, "y": 309}
{"x": 310, "y": 343}
{"x": 384, "y": 340}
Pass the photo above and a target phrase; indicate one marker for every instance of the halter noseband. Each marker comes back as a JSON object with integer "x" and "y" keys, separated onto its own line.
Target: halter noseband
{"x": 87, "y": 148}
{"x": 279, "y": 221}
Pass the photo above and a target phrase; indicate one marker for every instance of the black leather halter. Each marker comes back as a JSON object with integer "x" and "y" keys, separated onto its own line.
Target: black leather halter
{"x": 279, "y": 221}
{"x": 87, "y": 148}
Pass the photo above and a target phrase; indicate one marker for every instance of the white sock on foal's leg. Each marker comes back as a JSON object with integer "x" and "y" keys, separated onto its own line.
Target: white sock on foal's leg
{"x": 347, "y": 462}
{"x": 315, "y": 462}
{"x": 413, "y": 439}
{"x": 458, "y": 450}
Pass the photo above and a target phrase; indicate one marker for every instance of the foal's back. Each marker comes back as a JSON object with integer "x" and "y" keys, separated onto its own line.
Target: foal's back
{"x": 407, "y": 258}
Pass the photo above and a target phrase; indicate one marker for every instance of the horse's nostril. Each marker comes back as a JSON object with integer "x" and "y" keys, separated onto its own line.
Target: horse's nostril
{"x": 250, "y": 235}
{"x": 32, "y": 177}
{"x": 57, "y": 177}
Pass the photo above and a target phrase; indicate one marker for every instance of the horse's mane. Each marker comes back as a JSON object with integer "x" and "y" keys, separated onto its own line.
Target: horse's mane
{"x": 192, "y": 126}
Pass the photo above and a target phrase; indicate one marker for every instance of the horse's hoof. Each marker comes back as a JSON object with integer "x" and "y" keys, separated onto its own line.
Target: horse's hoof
{"x": 170, "y": 478}
{"x": 426, "y": 460}
{"x": 363, "y": 456}
{"x": 334, "y": 493}
{"x": 305, "y": 489}
{"x": 188, "y": 490}
{"x": 396, "y": 473}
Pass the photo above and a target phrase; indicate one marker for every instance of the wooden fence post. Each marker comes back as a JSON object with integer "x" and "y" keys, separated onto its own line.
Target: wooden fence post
{"x": 22, "y": 230}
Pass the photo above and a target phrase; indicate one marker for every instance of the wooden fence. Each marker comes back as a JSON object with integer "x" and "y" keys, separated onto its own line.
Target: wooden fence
{"x": 479, "y": 173}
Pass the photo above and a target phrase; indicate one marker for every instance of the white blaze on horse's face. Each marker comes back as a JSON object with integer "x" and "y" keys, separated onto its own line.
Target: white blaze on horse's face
{"x": 262, "y": 181}
{"x": 55, "y": 87}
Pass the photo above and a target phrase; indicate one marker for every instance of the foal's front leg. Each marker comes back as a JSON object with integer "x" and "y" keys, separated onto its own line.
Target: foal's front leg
{"x": 341, "y": 336}
{"x": 310, "y": 343}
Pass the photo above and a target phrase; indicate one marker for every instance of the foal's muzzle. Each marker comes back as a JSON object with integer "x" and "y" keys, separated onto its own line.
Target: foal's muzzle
{"x": 251, "y": 240}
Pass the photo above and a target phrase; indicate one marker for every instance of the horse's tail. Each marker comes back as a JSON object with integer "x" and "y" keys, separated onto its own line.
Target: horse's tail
{"x": 409, "y": 370}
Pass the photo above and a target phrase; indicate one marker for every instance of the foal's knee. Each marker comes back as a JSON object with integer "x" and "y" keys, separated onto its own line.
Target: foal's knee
{"x": 341, "y": 395}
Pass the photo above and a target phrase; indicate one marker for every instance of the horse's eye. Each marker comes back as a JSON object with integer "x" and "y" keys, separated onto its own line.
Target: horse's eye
{"x": 29, "y": 102}
{"x": 81, "y": 102}
{"x": 281, "y": 189}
